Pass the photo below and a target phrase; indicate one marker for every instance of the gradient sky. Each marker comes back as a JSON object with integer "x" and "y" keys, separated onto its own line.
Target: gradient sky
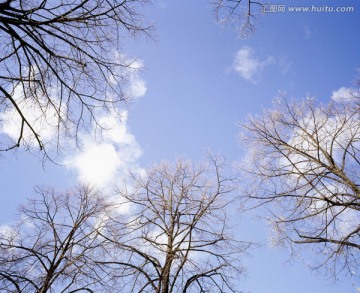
{"x": 198, "y": 81}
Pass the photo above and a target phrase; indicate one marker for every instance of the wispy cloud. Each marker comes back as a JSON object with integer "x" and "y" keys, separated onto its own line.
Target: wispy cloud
{"x": 307, "y": 32}
{"x": 248, "y": 66}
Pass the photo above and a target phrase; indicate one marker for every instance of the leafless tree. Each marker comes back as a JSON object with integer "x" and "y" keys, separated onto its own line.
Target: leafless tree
{"x": 52, "y": 248}
{"x": 239, "y": 13}
{"x": 304, "y": 166}
{"x": 60, "y": 63}
{"x": 177, "y": 230}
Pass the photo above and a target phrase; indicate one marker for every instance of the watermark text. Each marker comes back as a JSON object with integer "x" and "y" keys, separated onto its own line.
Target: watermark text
{"x": 274, "y": 8}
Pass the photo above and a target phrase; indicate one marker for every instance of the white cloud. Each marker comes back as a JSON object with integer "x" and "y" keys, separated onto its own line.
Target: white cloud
{"x": 342, "y": 94}
{"x": 42, "y": 116}
{"x": 248, "y": 66}
{"x": 7, "y": 230}
{"x": 107, "y": 158}
{"x": 97, "y": 163}
{"x": 137, "y": 86}
{"x": 48, "y": 117}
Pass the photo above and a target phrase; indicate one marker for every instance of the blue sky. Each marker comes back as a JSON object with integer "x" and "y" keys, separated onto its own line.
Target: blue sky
{"x": 198, "y": 80}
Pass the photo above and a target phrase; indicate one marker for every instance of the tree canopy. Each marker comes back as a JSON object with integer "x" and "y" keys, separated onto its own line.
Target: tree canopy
{"x": 305, "y": 160}
{"x": 61, "y": 66}
{"x": 177, "y": 236}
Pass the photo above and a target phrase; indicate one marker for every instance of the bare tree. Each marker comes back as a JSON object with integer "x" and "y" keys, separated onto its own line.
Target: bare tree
{"x": 239, "y": 13}
{"x": 177, "y": 235}
{"x": 60, "y": 63}
{"x": 52, "y": 248}
{"x": 304, "y": 167}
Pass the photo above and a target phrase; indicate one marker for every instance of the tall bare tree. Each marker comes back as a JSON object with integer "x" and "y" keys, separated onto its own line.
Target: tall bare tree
{"x": 304, "y": 166}
{"x": 177, "y": 234}
{"x": 60, "y": 63}
{"x": 241, "y": 14}
{"x": 54, "y": 245}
